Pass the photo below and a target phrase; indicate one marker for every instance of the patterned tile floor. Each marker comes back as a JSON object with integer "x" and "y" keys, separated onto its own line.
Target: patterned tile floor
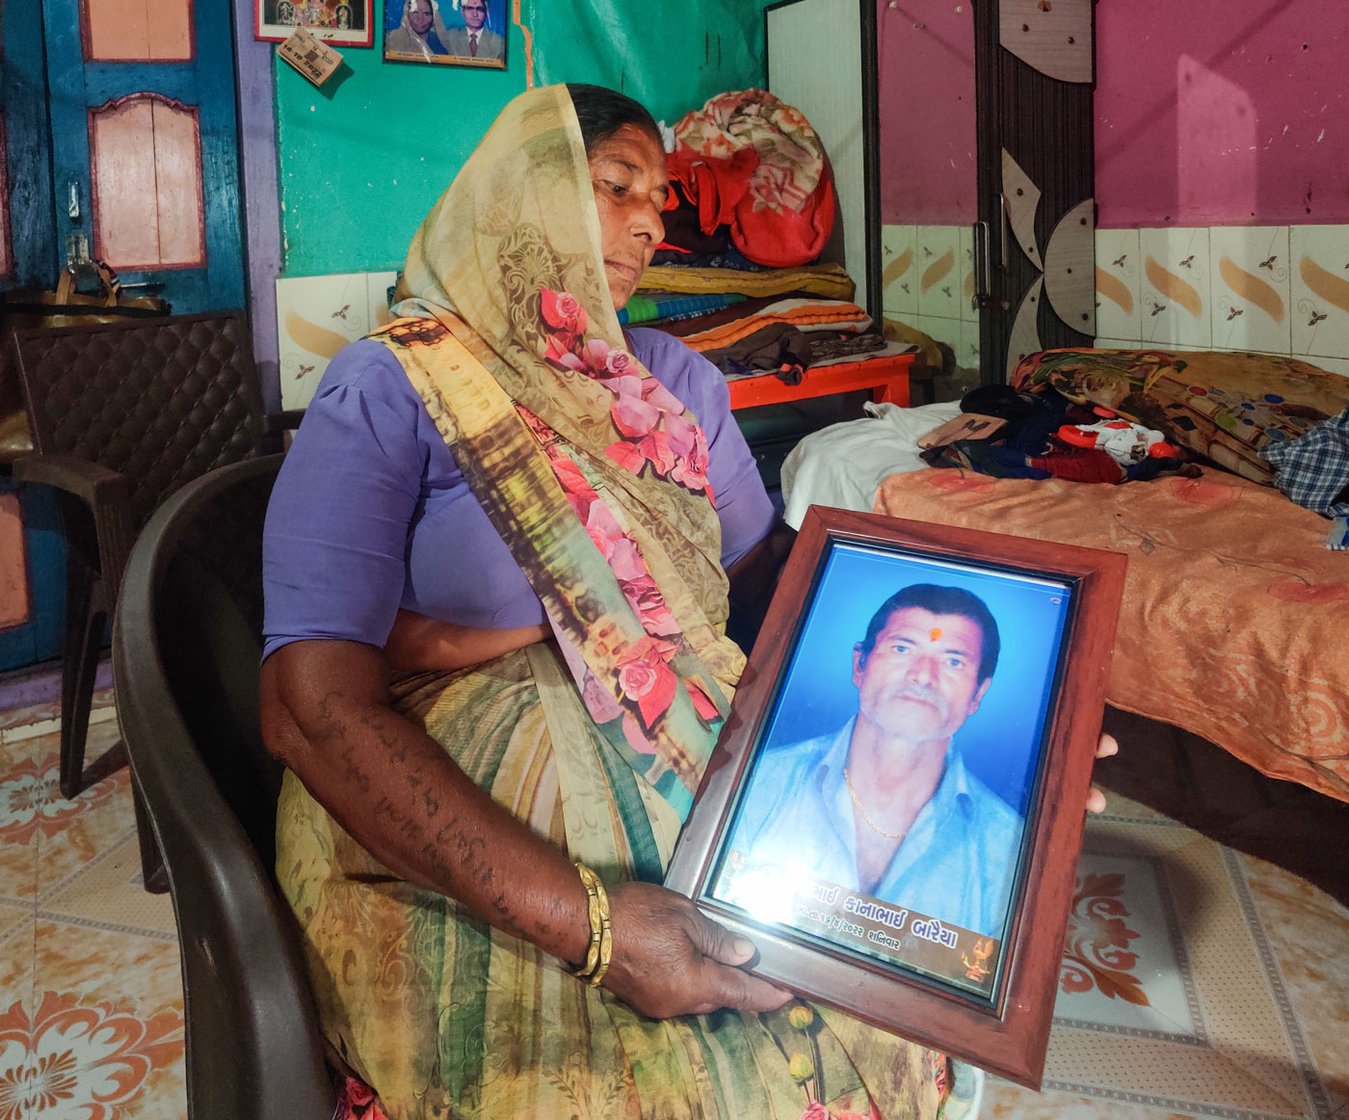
{"x": 1196, "y": 981}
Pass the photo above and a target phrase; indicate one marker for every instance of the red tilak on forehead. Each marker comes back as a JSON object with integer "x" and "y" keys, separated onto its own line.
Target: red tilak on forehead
{"x": 934, "y": 634}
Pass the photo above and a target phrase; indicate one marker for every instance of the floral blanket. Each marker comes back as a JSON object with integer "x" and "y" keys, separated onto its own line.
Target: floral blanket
{"x": 1235, "y": 621}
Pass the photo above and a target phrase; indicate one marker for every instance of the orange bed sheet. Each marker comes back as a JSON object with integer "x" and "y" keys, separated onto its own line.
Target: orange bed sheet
{"x": 1235, "y": 622}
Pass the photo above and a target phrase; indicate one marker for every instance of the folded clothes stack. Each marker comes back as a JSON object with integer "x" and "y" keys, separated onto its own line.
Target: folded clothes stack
{"x": 737, "y": 276}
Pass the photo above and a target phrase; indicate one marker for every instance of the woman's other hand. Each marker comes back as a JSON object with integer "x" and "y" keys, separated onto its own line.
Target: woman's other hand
{"x": 1108, "y": 746}
{"x": 668, "y": 959}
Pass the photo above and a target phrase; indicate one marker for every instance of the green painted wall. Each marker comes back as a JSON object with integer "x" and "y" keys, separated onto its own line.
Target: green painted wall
{"x": 360, "y": 165}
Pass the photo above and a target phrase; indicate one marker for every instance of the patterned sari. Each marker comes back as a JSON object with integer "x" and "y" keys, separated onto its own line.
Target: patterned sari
{"x": 595, "y": 477}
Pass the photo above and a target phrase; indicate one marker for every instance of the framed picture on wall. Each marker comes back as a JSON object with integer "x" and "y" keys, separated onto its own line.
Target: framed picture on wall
{"x": 348, "y": 23}
{"x": 446, "y": 32}
{"x": 895, "y": 805}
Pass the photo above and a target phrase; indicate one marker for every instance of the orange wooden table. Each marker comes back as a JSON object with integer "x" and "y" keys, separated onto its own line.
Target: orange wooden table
{"x": 887, "y": 378}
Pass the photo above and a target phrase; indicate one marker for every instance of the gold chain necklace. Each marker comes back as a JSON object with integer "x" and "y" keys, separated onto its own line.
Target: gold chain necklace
{"x": 857, "y": 802}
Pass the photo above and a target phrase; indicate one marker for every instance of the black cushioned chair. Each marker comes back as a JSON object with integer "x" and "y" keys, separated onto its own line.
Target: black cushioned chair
{"x": 186, "y": 643}
{"x": 121, "y": 416}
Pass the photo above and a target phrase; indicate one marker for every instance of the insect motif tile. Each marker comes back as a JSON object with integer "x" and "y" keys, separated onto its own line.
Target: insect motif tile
{"x": 899, "y": 270}
{"x": 967, "y": 353}
{"x": 1117, "y": 289}
{"x": 1174, "y": 287}
{"x": 316, "y": 316}
{"x": 1320, "y": 290}
{"x": 938, "y": 271}
{"x": 1249, "y": 267}
{"x": 968, "y": 274}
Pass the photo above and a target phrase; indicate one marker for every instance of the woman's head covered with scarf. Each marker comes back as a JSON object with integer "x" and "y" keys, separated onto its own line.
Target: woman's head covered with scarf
{"x": 564, "y": 191}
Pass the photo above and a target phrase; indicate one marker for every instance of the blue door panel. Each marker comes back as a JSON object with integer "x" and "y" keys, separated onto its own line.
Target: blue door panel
{"x": 27, "y": 149}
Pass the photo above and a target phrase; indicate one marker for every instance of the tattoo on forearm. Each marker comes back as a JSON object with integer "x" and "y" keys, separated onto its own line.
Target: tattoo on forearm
{"x": 331, "y": 726}
{"x": 355, "y": 775}
{"x": 407, "y": 828}
{"x": 452, "y": 854}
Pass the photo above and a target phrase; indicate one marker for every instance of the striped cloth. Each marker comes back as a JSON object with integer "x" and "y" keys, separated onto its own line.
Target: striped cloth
{"x": 829, "y": 280}
{"x": 659, "y": 307}
{"x": 804, "y": 314}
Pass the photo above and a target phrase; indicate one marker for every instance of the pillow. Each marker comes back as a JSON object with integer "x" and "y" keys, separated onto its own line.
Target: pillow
{"x": 1223, "y": 406}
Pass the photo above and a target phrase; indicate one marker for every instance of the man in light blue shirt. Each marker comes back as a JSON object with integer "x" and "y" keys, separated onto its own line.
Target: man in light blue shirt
{"x": 885, "y": 806}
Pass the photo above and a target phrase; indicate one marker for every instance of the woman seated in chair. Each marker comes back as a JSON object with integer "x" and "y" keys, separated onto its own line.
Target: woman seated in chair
{"x": 499, "y": 564}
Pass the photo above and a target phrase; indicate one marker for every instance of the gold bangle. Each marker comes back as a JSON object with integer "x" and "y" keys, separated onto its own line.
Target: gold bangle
{"x": 600, "y": 949}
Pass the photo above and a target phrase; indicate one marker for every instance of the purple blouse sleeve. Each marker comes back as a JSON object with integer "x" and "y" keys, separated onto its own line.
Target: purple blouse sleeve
{"x": 335, "y": 540}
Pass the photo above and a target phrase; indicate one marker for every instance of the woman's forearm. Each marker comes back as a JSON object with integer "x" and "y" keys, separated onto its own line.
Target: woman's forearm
{"x": 325, "y": 714}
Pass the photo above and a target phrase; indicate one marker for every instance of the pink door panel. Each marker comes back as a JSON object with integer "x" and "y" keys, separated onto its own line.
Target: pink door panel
{"x": 137, "y": 30}
{"x": 145, "y": 162}
{"x": 13, "y": 566}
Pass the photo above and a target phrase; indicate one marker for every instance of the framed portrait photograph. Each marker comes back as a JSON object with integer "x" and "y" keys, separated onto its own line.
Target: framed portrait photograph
{"x": 895, "y": 807}
{"x": 348, "y": 23}
{"x": 446, "y": 32}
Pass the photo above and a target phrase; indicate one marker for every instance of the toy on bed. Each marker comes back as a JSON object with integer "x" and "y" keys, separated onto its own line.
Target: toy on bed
{"x": 1235, "y": 622}
{"x": 1125, "y": 442}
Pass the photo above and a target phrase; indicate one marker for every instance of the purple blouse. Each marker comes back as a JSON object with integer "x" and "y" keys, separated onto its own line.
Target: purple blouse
{"x": 371, "y": 513}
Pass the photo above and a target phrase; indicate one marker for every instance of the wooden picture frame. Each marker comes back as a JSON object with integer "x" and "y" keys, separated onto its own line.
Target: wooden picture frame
{"x": 343, "y": 23}
{"x": 447, "y": 32}
{"x": 778, "y": 831}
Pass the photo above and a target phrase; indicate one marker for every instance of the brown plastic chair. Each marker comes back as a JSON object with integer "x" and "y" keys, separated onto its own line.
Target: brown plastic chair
{"x": 186, "y": 647}
{"x": 122, "y": 415}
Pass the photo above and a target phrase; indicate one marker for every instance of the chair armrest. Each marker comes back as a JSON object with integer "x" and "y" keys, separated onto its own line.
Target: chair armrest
{"x": 285, "y": 421}
{"x": 78, "y": 477}
{"x": 105, "y": 493}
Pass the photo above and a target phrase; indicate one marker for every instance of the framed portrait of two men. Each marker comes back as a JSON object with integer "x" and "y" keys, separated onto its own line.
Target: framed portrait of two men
{"x": 896, "y": 803}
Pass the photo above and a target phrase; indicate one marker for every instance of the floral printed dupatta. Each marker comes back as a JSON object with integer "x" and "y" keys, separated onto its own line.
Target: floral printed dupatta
{"x": 592, "y": 472}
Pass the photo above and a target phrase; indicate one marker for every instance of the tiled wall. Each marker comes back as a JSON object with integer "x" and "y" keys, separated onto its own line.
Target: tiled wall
{"x": 1275, "y": 289}
{"x": 927, "y": 278}
{"x": 318, "y": 315}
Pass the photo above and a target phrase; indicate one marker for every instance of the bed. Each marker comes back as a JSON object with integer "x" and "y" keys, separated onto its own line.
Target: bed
{"x": 1235, "y": 623}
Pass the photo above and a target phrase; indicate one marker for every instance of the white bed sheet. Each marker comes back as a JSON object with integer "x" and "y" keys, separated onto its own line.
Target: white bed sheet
{"x": 842, "y": 465}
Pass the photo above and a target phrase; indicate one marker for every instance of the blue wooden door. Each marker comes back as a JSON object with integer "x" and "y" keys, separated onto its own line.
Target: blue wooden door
{"x": 144, "y": 145}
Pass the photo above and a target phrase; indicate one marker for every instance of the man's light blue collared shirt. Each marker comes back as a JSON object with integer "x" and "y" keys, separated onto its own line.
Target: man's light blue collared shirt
{"x": 956, "y": 864}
